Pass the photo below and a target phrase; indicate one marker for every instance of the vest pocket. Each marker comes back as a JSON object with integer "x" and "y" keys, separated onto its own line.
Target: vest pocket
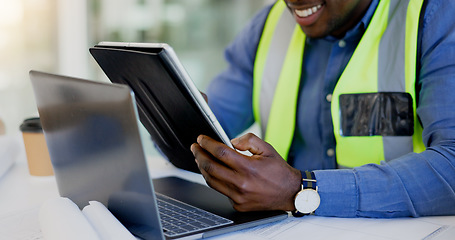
{"x": 376, "y": 114}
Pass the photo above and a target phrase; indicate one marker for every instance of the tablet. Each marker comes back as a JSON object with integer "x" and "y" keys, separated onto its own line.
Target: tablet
{"x": 170, "y": 106}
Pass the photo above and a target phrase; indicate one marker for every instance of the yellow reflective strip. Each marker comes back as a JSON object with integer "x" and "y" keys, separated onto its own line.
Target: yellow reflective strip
{"x": 412, "y": 28}
{"x": 261, "y": 54}
{"x": 281, "y": 123}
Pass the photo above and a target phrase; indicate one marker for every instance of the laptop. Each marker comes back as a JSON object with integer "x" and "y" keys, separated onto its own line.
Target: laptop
{"x": 92, "y": 134}
{"x": 170, "y": 106}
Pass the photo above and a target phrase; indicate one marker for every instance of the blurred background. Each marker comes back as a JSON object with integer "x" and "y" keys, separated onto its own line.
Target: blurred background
{"x": 55, "y": 35}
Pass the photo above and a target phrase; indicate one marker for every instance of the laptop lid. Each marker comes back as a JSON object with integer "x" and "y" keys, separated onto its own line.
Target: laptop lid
{"x": 95, "y": 148}
{"x": 170, "y": 106}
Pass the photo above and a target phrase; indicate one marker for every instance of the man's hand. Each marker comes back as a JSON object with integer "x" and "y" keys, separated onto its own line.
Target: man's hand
{"x": 263, "y": 181}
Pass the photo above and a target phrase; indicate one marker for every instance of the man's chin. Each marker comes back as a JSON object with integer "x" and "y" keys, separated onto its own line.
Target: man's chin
{"x": 314, "y": 33}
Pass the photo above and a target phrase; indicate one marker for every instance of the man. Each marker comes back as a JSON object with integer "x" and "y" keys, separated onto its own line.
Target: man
{"x": 342, "y": 98}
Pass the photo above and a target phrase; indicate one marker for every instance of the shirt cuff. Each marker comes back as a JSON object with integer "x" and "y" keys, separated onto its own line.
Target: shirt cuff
{"x": 338, "y": 192}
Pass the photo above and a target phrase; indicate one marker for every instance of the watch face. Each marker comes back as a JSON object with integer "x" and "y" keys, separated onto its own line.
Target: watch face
{"x": 307, "y": 201}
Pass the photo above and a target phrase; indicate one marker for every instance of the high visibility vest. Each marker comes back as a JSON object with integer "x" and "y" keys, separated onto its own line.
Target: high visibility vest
{"x": 384, "y": 61}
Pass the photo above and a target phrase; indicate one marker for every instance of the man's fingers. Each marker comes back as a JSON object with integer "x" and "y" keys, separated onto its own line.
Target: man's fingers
{"x": 252, "y": 143}
{"x": 222, "y": 152}
{"x": 210, "y": 168}
{"x": 215, "y": 183}
{"x": 263, "y": 181}
{"x": 215, "y": 174}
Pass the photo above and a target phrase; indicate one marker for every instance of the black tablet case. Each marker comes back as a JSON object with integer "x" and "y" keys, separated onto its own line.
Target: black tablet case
{"x": 166, "y": 108}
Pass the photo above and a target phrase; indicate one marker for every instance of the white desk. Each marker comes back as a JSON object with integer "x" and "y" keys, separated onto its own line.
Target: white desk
{"x": 21, "y": 195}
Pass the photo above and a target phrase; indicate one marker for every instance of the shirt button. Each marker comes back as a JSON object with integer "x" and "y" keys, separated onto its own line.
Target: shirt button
{"x": 342, "y": 44}
{"x": 330, "y": 152}
{"x": 328, "y": 97}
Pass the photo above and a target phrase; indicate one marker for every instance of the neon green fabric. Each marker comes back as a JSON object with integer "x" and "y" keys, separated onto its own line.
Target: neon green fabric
{"x": 360, "y": 76}
{"x": 354, "y": 151}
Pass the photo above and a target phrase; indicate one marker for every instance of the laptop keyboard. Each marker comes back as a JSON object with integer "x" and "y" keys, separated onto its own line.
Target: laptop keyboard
{"x": 178, "y": 218}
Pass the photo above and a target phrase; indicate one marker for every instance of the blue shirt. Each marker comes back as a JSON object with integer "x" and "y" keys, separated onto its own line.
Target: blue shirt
{"x": 416, "y": 184}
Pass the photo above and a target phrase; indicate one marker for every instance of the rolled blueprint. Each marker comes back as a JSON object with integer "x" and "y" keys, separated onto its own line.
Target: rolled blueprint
{"x": 60, "y": 218}
{"x": 107, "y": 226}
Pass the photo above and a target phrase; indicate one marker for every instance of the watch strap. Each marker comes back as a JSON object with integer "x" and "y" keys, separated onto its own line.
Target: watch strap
{"x": 296, "y": 213}
{"x": 308, "y": 181}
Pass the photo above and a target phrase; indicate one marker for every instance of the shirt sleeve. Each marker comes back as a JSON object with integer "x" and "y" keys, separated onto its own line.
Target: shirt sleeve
{"x": 230, "y": 93}
{"x": 417, "y": 184}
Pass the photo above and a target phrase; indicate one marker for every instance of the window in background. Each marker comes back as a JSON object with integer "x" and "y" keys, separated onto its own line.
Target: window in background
{"x": 28, "y": 39}
{"x": 198, "y": 30}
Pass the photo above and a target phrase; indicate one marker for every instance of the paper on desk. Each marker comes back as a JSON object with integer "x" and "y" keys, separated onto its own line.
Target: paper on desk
{"x": 20, "y": 225}
{"x": 60, "y": 218}
{"x": 315, "y": 228}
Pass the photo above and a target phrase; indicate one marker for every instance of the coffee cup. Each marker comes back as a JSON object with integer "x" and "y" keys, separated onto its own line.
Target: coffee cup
{"x": 39, "y": 162}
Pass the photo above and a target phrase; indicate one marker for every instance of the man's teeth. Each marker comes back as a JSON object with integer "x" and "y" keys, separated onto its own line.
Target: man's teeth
{"x": 308, "y": 12}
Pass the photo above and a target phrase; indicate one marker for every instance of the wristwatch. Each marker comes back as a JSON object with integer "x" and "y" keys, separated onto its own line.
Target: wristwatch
{"x": 307, "y": 199}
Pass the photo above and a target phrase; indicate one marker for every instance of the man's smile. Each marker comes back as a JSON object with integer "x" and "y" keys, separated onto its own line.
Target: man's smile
{"x": 307, "y": 12}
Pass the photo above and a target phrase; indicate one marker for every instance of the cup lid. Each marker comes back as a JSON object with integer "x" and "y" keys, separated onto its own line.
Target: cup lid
{"x": 31, "y": 125}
